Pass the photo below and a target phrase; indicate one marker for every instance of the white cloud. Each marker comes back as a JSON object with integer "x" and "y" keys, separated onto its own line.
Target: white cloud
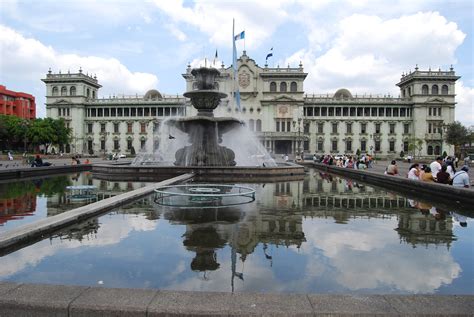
{"x": 465, "y": 104}
{"x": 215, "y": 18}
{"x": 27, "y": 59}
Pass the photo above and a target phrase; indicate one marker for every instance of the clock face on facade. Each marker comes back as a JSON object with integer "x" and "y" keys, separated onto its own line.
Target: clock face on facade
{"x": 244, "y": 79}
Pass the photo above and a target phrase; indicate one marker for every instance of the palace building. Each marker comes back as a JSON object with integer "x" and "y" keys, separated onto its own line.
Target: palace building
{"x": 275, "y": 105}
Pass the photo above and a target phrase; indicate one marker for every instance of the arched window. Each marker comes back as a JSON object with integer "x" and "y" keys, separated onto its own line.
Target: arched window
{"x": 55, "y": 91}
{"x": 424, "y": 90}
{"x": 444, "y": 90}
{"x": 258, "y": 128}
{"x": 283, "y": 86}
{"x": 93, "y": 94}
{"x": 273, "y": 86}
{"x": 63, "y": 91}
{"x": 293, "y": 86}
{"x": 430, "y": 150}
{"x": 434, "y": 90}
{"x": 72, "y": 91}
{"x": 251, "y": 124}
{"x": 437, "y": 150}
{"x": 88, "y": 93}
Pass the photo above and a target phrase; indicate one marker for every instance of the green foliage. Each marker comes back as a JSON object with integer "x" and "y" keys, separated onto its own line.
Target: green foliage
{"x": 457, "y": 134}
{"x": 415, "y": 145}
{"x": 358, "y": 152}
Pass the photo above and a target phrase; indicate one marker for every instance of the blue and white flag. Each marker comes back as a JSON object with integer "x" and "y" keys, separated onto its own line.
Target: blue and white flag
{"x": 239, "y": 36}
{"x": 269, "y": 54}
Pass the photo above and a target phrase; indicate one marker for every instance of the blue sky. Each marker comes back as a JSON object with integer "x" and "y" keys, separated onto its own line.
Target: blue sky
{"x": 134, "y": 46}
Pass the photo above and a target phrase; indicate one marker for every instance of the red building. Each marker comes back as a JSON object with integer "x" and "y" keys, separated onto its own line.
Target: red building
{"x": 18, "y": 104}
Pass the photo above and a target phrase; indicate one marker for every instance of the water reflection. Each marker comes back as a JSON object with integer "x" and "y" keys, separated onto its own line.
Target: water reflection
{"x": 323, "y": 234}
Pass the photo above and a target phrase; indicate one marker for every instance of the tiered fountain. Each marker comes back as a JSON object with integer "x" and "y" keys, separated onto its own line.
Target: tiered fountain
{"x": 203, "y": 144}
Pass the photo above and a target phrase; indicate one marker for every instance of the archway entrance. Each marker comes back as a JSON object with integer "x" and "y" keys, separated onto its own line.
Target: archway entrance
{"x": 282, "y": 147}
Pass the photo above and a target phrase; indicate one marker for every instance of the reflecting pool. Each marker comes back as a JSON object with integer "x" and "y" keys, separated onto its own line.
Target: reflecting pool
{"x": 325, "y": 234}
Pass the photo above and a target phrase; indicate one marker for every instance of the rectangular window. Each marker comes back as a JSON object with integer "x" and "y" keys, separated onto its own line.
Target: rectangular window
{"x": 338, "y": 112}
{"x": 93, "y": 112}
{"x": 89, "y": 128}
{"x": 352, "y": 112}
{"x": 153, "y": 112}
{"x": 381, "y": 112}
{"x": 278, "y": 126}
{"x": 363, "y": 145}
{"x": 377, "y": 128}
{"x": 360, "y": 112}
{"x": 126, "y": 112}
{"x": 140, "y": 112}
{"x": 133, "y": 112}
{"x": 363, "y": 128}
{"x": 288, "y": 126}
{"x": 374, "y": 112}
{"x": 348, "y": 127}
{"x": 316, "y": 111}
{"x": 324, "y": 112}
{"x": 345, "y": 112}
{"x": 102, "y": 145}
{"x": 309, "y": 111}
{"x": 429, "y": 111}
{"x": 142, "y": 127}
{"x": 403, "y": 112}
{"x": 334, "y": 145}
{"x": 392, "y": 128}
{"x": 334, "y": 128}
{"x": 388, "y": 112}
{"x": 320, "y": 145}
{"x": 147, "y": 112}
{"x": 100, "y": 112}
{"x": 306, "y": 145}
{"x": 405, "y": 146}
{"x": 366, "y": 112}
{"x": 113, "y": 112}
{"x": 116, "y": 145}
{"x": 377, "y": 146}
{"x": 320, "y": 127}
{"x": 406, "y": 128}
{"x": 120, "y": 112}
{"x": 349, "y": 146}
{"x": 102, "y": 127}
{"x": 439, "y": 112}
{"x": 129, "y": 145}
{"x": 167, "y": 112}
{"x": 391, "y": 146}
{"x": 106, "y": 112}
{"x": 429, "y": 128}
{"x": 331, "y": 112}
{"x": 160, "y": 112}
{"x": 116, "y": 127}
{"x": 129, "y": 127}
{"x": 395, "y": 112}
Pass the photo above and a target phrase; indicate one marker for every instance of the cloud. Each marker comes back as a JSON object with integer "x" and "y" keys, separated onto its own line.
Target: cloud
{"x": 27, "y": 60}
{"x": 215, "y": 18}
{"x": 465, "y": 104}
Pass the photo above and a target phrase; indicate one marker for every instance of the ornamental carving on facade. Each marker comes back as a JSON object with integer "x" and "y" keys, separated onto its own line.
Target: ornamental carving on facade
{"x": 282, "y": 110}
{"x": 244, "y": 79}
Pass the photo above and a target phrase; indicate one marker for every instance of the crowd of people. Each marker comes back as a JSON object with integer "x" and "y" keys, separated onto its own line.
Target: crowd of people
{"x": 347, "y": 161}
{"x": 441, "y": 171}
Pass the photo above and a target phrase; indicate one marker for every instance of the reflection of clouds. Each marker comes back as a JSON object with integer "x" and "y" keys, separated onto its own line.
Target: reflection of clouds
{"x": 367, "y": 254}
{"x": 112, "y": 230}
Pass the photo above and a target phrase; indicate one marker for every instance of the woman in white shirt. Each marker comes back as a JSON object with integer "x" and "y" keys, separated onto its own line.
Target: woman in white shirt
{"x": 414, "y": 172}
{"x": 450, "y": 169}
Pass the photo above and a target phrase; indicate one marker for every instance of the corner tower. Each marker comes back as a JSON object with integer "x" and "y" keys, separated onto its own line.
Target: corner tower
{"x": 433, "y": 97}
{"x": 66, "y": 95}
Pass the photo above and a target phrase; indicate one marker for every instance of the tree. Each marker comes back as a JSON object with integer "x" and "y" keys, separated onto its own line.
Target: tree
{"x": 457, "y": 134}
{"x": 415, "y": 144}
{"x": 41, "y": 132}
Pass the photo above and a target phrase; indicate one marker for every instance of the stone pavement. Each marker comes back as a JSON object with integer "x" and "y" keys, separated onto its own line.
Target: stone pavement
{"x": 60, "y": 300}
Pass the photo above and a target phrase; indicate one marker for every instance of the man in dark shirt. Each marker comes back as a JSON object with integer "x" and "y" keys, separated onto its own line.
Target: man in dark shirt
{"x": 443, "y": 177}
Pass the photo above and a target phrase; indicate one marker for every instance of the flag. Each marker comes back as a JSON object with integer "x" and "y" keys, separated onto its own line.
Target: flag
{"x": 234, "y": 64}
{"x": 270, "y": 54}
{"x": 239, "y": 36}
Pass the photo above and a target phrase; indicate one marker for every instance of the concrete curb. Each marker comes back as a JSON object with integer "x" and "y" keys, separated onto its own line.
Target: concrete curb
{"x": 61, "y": 300}
{"x": 431, "y": 191}
{"x": 29, "y": 233}
{"x": 28, "y": 172}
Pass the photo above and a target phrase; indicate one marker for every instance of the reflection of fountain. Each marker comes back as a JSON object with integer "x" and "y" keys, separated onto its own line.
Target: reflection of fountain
{"x": 205, "y": 140}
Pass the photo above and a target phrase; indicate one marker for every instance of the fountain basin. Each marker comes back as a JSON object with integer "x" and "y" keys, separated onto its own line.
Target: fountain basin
{"x": 247, "y": 174}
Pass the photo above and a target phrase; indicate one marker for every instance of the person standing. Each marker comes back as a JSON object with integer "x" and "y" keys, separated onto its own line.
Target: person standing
{"x": 435, "y": 166}
{"x": 466, "y": 160}
{"x": 10, "y": 156}
{"x": 461, "y": 178}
